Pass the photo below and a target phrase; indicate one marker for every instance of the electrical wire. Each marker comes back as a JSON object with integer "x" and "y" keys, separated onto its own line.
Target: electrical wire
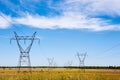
{"x": 12, "y": 24}
{"x": 109, "y": 49}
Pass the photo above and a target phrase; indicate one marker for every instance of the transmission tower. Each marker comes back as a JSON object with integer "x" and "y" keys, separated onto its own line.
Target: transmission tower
{"x": 69, "y": 63}
{"x": 81, "y": 58}
{"x": 24, "y": 59}
{"x": 50, "y": 61}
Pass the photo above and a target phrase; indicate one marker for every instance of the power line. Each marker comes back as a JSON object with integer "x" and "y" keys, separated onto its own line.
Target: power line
{"x": 11, "y": 23}
{"x": 109, "y": 49}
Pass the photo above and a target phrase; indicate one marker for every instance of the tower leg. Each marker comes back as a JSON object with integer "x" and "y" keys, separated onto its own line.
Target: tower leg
{"x": 29, "y": 63}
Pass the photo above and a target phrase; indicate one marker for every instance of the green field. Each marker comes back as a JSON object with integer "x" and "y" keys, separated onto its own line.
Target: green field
{"x": 60, "y": 74}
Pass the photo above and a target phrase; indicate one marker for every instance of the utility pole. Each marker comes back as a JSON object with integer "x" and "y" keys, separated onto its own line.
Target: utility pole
{"x": 24, "y": 59}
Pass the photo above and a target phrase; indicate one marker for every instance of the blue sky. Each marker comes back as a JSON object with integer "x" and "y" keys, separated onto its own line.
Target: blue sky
{"x": 64, "y": 27}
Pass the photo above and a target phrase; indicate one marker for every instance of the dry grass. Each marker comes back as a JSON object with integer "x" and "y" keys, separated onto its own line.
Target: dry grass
{"x": 60, "y": 74}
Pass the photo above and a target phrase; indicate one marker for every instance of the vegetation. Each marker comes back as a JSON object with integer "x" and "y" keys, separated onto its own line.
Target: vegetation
{"x": 59, "y": 74}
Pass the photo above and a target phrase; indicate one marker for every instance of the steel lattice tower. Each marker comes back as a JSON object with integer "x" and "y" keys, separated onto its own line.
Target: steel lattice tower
{"x": 50, "y": 61}
{"x": 81, "y": 58}
{"x": 24, "y": 53}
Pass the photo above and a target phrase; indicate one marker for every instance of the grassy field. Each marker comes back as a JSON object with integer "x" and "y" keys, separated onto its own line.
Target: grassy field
{"x": 60, "y": 74}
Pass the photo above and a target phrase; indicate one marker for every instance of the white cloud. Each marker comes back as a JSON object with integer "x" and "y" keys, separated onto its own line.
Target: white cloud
{"x": 75, "y": 14}
{"x": 66, "y": 21}
{"x": 5, "y": 21}
{"x": 69, "y": 20}
{"x": 106, "y": 7}
{"x": 93, "y": 7}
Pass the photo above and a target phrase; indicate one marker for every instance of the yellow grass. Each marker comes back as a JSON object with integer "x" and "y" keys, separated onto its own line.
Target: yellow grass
{"x": 60, "y": 74}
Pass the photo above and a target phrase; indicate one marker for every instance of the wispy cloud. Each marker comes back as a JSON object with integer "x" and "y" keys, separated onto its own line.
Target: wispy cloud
{"x": 93, "y": 7}
{"x": 5, "y": 21}
{"x": 105, "y": 7}
{"x": 75, "y": 14}
{"x": 66, "y": 21}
